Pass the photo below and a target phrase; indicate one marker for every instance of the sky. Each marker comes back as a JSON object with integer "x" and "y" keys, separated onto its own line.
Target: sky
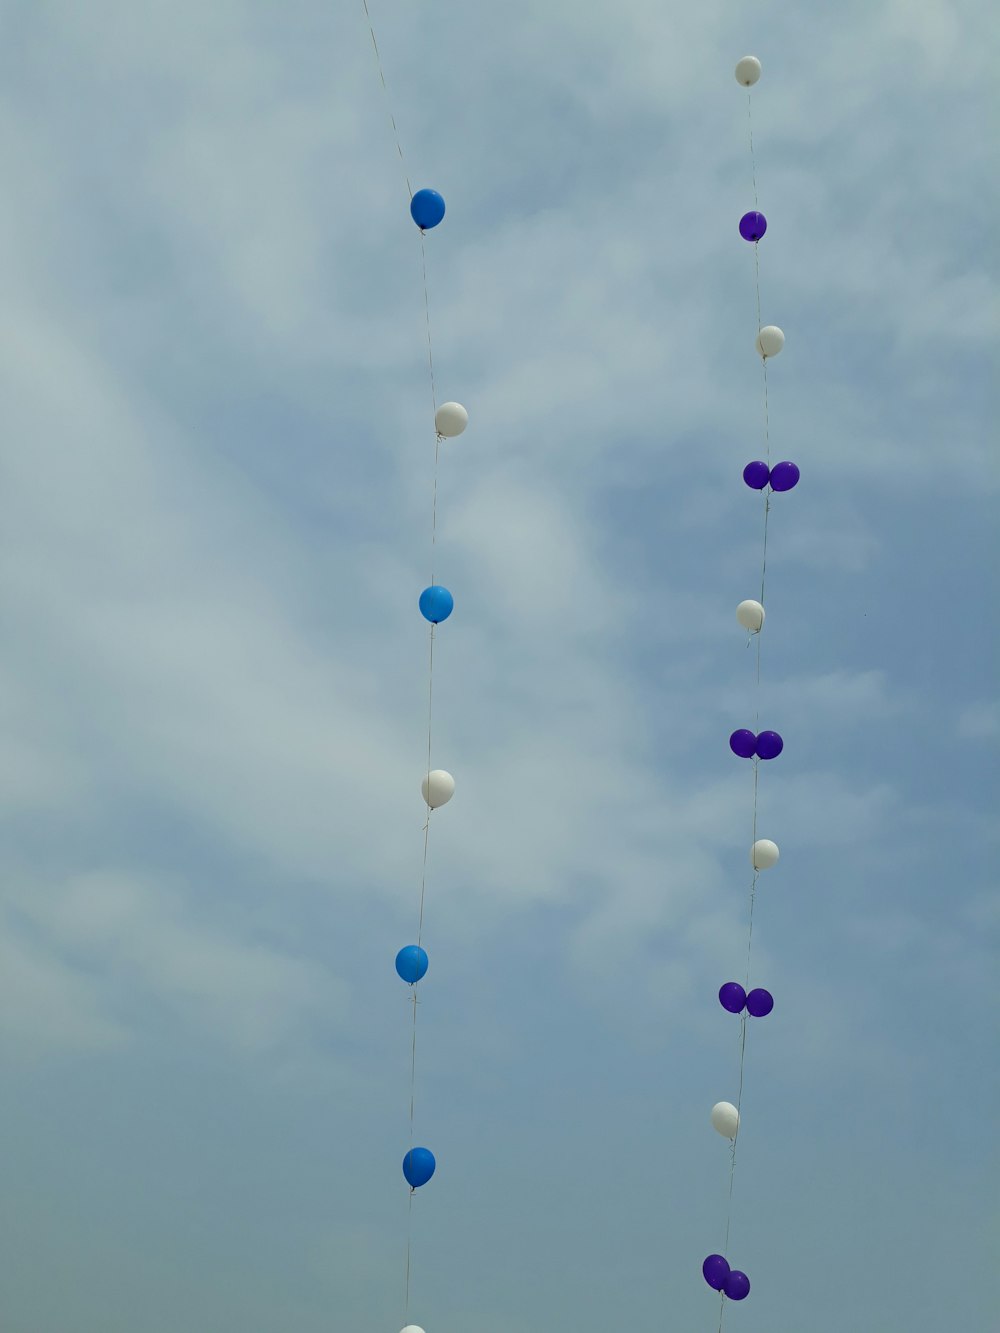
{"x": 215, "y": 505}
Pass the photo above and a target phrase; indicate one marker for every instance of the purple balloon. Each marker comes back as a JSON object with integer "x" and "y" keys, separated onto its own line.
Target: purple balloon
{"x": 743, "y": 743}
{"x": 757, "y": 475}
{"x": 768, "y": 745}
{"x": 760, "y": 1003}
{"x": 753, "y": 226}
{"x": 716, "y": 1271}
{"x": 733, "y": 997}
{"x": 737, "y": 1285}
{"x": 784, "y": 476}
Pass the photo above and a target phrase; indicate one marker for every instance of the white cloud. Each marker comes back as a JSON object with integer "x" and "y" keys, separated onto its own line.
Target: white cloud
{"x": 46, "y": 1007}
{"x": 145, "y": 938}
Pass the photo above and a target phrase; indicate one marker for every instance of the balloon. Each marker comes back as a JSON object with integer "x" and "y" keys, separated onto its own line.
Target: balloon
{"x": 437, "y": 788}
{"x": 784, "y": 476}
{"x": 411, "y": 963}
{"x": 426, "y": 209}
{"x": 753, "y": 226}
{"x": 418, "y": 1167}
{"x": 768, "y": 745}
{"x": 436, "y": 604}
{"x": 450, "y": 419}
{"x": 747, "y": 71}
{"x": 770, "y": 340}
{"x": 750, "y": 614}
{"x": 733, "y": 997}
{"x": 764, "y": 854}
{"x": 725, "y": 1119}
{"x": 716, "y": 1270}
{"x": 412, "y": 1328}
{"x": 737, "y": 1285}
{"x": 742, "y": 743}
{"x": 756, "y": 475}
{"x": 760, "y": 1003}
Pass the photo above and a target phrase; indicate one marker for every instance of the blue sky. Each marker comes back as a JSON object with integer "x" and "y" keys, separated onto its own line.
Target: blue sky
{"x": 215, "y": 526}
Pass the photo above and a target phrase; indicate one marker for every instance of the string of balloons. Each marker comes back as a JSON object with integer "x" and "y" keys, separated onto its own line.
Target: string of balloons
{"x": 427, "y": 210}
{"x": 756, "y": 745}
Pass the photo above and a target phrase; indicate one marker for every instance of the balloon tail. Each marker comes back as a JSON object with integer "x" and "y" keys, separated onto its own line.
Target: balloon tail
{"x": 388, "y": 102}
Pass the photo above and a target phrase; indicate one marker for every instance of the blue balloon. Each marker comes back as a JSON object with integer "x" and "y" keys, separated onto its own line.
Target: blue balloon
{"x": 753, "y": 226}
{"x": 715, "y": 1271}
{"x": 768, "y": 745}
{"x": 784, "y": 476}
{"x": 411, "y": 963}
{"x": 426, "y": 209}
{"x": 756, "y": 475}
{"x": 418, "y": 1167}
{"x": 436, "y": 604}
{"x": 733, "y": 997}
{"x": 743, "y": 743}
{"x": 737, "y": 1285}
{"x": 760, "y": 1002}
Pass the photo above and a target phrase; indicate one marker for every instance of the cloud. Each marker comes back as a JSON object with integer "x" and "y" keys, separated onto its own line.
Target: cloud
{"x": 217, "y": 506}
{"x": 46, "y": 1007}
{"x": 980, "y": 721}
{"x": 142, "y": 938}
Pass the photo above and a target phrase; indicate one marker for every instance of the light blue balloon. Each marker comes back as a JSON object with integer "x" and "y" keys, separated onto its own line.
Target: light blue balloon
{"x": 418, "y": 1167}
{"x": 411, "y": 963}
{"x": 426, "y": 209}
{"x": 436, "y": 604}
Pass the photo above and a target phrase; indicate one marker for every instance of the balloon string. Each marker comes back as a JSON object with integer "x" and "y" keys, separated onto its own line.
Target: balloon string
{"x": 767, "y": 417}
{"x": 430, "y": 684}
{"x": 427, "y": 317}
{"x": 434, "y": 506}
{"x": 392, "y": 118}
{"x": 763, "y": 570}
{"x": 409, "y": 1233}
{"x": 427, "y": 821}
{"x": 756, "y": 766}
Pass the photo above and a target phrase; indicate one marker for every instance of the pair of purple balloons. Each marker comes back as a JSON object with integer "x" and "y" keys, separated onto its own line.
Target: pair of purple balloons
{"x": 733, "y": 997}
{"x": 721, "y": 1277}
{"x": 765, "y": 745}
{"x": 781, "y": 477}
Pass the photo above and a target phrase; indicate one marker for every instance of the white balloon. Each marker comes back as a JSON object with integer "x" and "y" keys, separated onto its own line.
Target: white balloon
{"x": 450, "y": 419}
{"x": 764, "y": 854}
{"x": 770, "y": 340}
{"x": 437, "y": 788}
{"x": 726, "y": 1119}
{"x": 747, "y": 71}
{"x": 412, "y": 1328}
{"x": 750, "y": 615}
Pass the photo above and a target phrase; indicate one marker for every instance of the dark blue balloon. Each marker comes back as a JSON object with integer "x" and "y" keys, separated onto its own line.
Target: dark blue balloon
{"x": 784, "y": 476}
{"x": 737, "y": 1285}
{"x": 733, "y": 997}
{"x": 716, "y": 1271}
{"x": 753, "y": 226}
{"x": 418, "y": 1167}
{"x": 426, "y": 209}
{"x": 756, "y": 475}
{"x": 411, "y": 963}
{"x": 743, "y": 743}
{"x": 436, "y": 604}
{"x": 760, "y": 1003}
{"x": 768, "y": 745}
